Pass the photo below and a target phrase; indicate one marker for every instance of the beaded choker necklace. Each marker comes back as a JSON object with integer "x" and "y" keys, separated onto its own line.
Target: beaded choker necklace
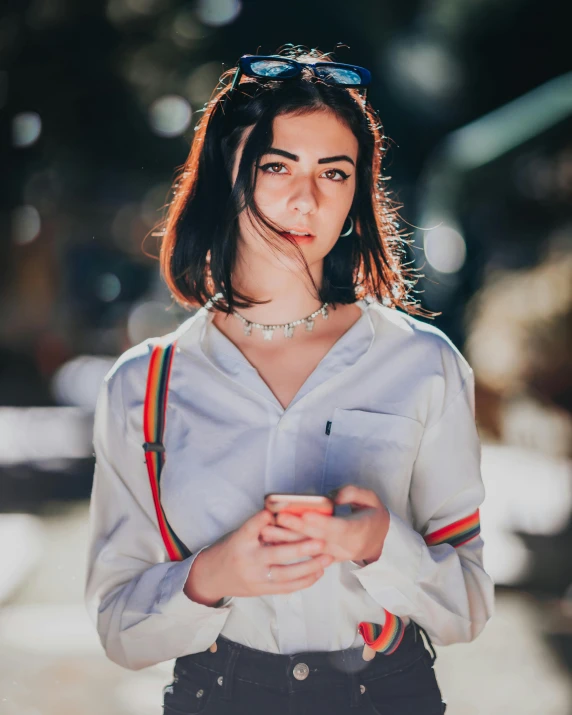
{"x": 288, "y": 328}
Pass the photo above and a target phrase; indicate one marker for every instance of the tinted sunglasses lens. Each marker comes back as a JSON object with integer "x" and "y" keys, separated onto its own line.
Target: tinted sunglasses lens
{"x": 340, "y": 75}
{"x": 273, "y": 68}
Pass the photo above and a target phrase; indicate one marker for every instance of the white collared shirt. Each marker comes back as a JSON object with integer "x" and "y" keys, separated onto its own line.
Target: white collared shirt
{"x": 390, "y": 407}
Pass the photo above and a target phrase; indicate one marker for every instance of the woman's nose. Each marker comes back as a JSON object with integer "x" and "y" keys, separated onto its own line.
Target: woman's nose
{"x": 303, "y": 196}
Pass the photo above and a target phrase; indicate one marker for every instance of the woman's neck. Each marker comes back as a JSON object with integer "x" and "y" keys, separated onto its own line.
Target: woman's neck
{"x": 290, "y": 298}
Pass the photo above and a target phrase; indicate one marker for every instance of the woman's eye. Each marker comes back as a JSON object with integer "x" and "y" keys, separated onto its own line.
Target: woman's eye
{"x": 267, "y": 166}
{"x": 342, "y": 174}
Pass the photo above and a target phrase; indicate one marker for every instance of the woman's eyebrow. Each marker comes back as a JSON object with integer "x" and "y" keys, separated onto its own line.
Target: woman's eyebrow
{"x": 295, "y": 157}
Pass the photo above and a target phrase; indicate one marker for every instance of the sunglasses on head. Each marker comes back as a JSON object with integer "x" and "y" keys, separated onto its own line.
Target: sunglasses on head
{"x": 275, "y": 67}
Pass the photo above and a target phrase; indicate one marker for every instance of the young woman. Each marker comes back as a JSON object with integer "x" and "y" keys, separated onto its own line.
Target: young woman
{"x": 303, "y": 370}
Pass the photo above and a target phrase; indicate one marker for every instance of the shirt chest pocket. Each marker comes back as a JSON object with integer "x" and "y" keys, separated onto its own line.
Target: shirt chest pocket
{"x": 375, "y": 450}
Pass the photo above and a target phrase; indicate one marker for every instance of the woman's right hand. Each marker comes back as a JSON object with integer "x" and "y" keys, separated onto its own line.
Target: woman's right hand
{"x": 238, "y": 564}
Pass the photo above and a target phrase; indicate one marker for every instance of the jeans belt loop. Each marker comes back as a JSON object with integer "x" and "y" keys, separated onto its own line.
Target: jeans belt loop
{"x": 430, "y": 644}
{"x": 228, "y": 676}
{"x": 355, "y": 691}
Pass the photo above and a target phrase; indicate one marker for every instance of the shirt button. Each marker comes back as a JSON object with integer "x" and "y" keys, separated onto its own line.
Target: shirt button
{"x": 301, "y": 671}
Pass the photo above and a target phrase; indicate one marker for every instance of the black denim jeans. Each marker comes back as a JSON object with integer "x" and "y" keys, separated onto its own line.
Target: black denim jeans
{"x": 237, "y": 680}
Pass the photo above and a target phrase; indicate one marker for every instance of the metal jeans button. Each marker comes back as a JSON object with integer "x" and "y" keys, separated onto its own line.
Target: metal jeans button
{"x": 301, "y": 671}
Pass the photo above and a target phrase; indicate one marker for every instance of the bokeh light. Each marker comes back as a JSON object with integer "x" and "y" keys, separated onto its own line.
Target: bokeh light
{"x": 26, "y": 224}
{"x": 186, "y": 29}
{"x": 218, "y": 12}
{"x": 170, "y": 115}
{"x": 202, "y": 81}
{"x": 423, "y": 69}
{"x": 108, "y": 287}
{"x": 76, "y": 383}
{"x": 147, "y": 319}
{"x": 445, "y": 249}
{"x": 26, "y": 128}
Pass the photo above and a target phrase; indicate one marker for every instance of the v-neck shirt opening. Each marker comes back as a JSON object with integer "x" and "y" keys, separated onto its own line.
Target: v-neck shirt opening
{"x": 345, "y": 352}
{"x": 215, "y": 341}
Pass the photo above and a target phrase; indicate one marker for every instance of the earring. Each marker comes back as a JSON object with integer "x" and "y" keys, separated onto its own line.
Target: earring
{"x": 347, "y": 233}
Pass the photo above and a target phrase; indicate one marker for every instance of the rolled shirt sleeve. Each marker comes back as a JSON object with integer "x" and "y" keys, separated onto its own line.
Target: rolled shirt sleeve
{"x": 432, "y": 568}
{"x": 133, "y": 593}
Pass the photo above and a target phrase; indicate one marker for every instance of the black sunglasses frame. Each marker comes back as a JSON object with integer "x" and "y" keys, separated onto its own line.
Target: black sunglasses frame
{"x": 245, "y": 68}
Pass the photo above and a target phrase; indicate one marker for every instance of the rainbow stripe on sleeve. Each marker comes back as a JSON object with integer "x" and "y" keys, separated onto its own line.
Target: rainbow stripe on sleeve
{"x": 456, "y": 533}
{"x": 383, "y": 639}
{"x": 386, "y": 639}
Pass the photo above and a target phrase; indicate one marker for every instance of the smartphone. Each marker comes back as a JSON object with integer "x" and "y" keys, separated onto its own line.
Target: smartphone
{"x": 298, "y": 504}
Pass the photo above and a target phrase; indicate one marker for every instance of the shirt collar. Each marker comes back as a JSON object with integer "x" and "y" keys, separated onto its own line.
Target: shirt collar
{"x": 228, "y": 359}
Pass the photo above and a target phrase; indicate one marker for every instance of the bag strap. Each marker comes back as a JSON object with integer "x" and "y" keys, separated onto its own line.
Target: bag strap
{"x": 154, "y": 415}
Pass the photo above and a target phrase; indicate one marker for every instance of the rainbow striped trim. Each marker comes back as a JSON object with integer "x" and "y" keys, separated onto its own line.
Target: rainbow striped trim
{"x": 383, "y": 639}
{"x": 154, "y": 414}
{"x": 456, "y": 533}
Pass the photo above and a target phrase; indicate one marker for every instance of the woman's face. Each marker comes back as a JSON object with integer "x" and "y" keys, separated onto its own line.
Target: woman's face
{"x": 306, "y": 182}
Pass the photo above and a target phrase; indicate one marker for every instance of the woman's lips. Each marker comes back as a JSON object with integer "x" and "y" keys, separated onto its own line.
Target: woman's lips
{"x": 298, "y": 239}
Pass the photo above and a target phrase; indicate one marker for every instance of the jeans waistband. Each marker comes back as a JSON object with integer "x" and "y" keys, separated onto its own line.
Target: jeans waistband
{"x": 306, "y": 669}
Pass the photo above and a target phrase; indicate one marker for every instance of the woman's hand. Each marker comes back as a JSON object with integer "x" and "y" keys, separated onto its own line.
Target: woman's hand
{"x": 238, "y": 564}
{"x": 350, "y": 538}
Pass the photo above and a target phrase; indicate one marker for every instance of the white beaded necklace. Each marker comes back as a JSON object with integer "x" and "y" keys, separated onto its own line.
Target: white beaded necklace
{"x": 268, "y": 330}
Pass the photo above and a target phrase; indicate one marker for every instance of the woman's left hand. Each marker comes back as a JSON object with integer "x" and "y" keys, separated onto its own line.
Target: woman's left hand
{"x": 349, "y": 538}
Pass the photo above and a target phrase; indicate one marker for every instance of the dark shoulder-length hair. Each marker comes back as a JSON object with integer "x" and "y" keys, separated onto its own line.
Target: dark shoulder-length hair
{"x": 200, "y": 227}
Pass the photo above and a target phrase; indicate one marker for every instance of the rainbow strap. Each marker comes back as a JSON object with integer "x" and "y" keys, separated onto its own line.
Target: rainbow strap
{"x": 154, "y": 413}
{"x": 456, "y": 533}
{"x": 383, "y": 639}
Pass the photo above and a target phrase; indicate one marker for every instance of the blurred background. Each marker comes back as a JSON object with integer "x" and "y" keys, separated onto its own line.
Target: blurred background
{"x": 99, "y": 101}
